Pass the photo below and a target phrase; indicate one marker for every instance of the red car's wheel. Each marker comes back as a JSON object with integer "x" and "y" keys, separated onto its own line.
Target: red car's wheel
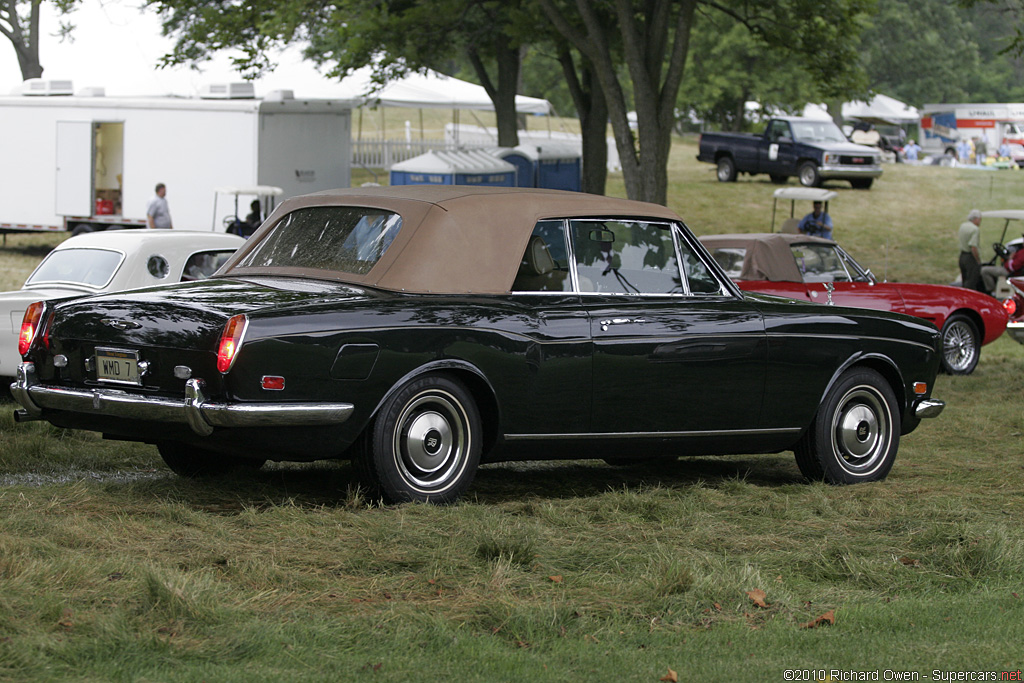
{"x": 961, "y": 345}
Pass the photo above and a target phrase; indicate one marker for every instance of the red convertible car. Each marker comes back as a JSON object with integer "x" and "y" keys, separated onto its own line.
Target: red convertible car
{"x": 814, "y": 269}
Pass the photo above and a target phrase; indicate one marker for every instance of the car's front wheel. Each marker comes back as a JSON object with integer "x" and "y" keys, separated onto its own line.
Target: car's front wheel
{"x": 961, "y": 345}
{"x": 425, "y": 443}
{"x": 855, "y": 434}
{"x": 189, "y": 461}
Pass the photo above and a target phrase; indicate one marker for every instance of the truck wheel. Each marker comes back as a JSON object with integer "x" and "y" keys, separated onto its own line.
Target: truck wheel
{"x": 726, "y": 170}
{"x": 81, "y": 229}
{"x": 808, "y": 174}
{"x": 861, "y": 183}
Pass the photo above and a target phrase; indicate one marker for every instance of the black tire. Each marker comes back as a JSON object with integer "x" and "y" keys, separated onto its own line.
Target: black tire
{"x": 808, "y": 175}
{"x": 855, "y": 433}
{"x": 862, "y": 183}
{"x": 961, "y": 345}
{"x": 726, "y": 170}
{"x": 779, "y": 179}
{"x": 189, "y": 461}
{"x": 81, "y": 229}
{"x": 424, "y": 444}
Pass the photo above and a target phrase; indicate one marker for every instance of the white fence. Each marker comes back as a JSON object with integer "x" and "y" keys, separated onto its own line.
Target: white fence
{"x": 384, "y": 153}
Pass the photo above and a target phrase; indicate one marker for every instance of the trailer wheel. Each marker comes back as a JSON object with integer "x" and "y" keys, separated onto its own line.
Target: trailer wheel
{"x": 81, "y": 229}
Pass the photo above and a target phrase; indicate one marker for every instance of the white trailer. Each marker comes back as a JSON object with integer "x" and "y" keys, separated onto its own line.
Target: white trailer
{"x": 943, "y": 125}
{"x": 91, "y": 162}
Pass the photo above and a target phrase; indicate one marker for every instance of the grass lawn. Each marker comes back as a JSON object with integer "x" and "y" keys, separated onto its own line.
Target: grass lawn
{"x": 111, "y": 568}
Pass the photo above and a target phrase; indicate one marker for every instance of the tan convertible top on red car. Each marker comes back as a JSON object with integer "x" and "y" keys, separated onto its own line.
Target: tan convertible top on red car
{"x": 768, "y": 255}
{"x": 454, "y": 239}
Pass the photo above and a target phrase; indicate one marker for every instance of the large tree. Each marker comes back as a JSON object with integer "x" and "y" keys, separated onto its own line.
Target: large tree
{"x": 19, "y": 23}
{"x": 655, "y": 40}
{"x": 395, "y": 36}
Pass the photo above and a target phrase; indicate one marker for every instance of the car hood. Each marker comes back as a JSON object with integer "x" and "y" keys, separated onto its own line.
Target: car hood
{"x": 843, "y": 147}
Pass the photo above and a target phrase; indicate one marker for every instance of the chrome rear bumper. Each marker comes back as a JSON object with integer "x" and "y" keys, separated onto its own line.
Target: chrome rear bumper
{"x": 1015, "y": 328}
{"x": 194, "y": 409}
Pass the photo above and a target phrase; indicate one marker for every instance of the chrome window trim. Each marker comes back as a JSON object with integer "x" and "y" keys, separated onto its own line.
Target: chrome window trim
{"x": 701, "y": 252}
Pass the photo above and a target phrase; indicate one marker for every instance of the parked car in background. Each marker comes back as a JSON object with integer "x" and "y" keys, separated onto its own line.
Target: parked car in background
{"x": 819, "y": 270}
{"x": 421, "y": 330}
{"x": 108, "y": 262}
{"x": 1015, "y": 309}
{"x": 810, "y": 149}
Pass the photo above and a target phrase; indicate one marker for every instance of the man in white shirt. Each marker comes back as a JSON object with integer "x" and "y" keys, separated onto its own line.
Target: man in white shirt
{"x": 158, "y": 214}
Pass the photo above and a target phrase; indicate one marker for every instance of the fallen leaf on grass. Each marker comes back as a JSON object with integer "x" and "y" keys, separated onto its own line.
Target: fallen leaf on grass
{"x": 910, "y": 562}
{"x": 757, "y": 596}
{"x": 556, "y": 579}
{"x": 671, "y": 677}
{"x": 828, "y": 618}
{"x": 65, "y": 621}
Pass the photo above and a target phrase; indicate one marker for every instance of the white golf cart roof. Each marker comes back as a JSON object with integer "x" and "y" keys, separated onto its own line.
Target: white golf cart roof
{"x": 259, "y": 190}
{"x": 1008, "y": 214}
{"x": 813, "y": 194}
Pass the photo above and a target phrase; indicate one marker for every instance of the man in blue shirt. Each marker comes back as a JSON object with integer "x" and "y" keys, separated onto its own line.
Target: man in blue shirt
{"x": 817, "y": 223}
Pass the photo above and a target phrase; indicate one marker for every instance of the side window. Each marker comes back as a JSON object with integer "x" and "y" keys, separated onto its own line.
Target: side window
{"x": 204, "y": 264}
{"x": 625, "y": 257}
{"x": 780, "y": 129}
{"x": 545, "y": 263}
{"x": 699, "y": 277}
{"x": 819, "y": 263}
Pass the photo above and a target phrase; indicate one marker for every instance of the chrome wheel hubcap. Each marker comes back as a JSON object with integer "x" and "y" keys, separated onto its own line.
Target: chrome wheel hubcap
{"x": 862, "y": 433}
{"x": 431, "y": 440}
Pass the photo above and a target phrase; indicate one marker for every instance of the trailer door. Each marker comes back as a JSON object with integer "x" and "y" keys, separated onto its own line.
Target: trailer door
{"x": 74, "y": 168}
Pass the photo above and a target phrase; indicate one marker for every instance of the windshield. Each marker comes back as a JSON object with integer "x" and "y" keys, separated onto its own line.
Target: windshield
{"x": 817, "y": 131}
{"x": 87, "y": 267}
{"x": 337, "y": 239}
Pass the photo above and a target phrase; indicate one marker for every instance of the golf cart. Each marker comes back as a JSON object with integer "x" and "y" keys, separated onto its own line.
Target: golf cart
{"x": 811, "y": 194}
{"x": 265, "y": 195}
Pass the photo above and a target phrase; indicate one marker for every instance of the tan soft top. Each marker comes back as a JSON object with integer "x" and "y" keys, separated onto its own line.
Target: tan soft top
{"x": 455, "y": 239}
{"x": 768, "y": 255}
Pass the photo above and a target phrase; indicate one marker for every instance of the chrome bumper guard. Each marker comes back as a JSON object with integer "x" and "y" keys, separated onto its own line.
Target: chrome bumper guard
{"x": 194, "y": 410}
{"x": 1016, "y": 330}
{"x": 929, "y": 407}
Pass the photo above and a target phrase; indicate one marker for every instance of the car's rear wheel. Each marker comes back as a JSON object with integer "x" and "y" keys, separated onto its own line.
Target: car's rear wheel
{"x": 189, "y": 461}
{"x": 425, "y": 443}
{"x": 855, "y": 434}
{"x": 961, "y": 345}
{"x": 726, "y": 169}
{"x": 808, "y": 174}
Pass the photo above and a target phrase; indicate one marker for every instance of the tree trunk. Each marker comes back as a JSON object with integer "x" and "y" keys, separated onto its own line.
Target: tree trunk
{"x": 502, "y": 93}
{"x": 592, "y": 111}
{"x": 26, "y": 47}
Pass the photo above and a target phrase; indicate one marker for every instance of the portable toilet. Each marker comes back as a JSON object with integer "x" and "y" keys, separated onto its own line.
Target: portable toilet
{"x": 470, "y": 167}
{"x": 557, "y": 165}
{"x": 525, "y": 163}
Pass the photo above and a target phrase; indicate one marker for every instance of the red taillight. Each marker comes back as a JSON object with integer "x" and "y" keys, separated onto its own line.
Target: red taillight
{"x": 231, "y": 342}
{"x": 1010, "y": 305}
{"x": 30, "y": 326}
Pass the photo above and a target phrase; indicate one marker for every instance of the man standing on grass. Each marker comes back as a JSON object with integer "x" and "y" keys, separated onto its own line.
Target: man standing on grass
{"x": 158, "y": 214}
{"x": 969, "y": 236}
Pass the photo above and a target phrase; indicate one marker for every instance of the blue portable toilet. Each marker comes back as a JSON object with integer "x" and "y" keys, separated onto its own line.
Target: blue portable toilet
{"x": 470, "y": 167}
{"x": 557, "y": 165}
{"x": 526, "y": 165}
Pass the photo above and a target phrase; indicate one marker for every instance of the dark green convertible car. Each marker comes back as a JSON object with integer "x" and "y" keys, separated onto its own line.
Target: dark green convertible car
{"x": 420, "y": 331}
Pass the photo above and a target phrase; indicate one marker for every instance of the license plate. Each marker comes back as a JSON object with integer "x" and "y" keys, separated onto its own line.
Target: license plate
{"x": 117, "y": 365}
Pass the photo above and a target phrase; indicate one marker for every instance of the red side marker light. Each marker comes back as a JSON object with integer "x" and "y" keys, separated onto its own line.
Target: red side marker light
{"x": 1010, "y": 306}
{"x": 272, "y": 383}
{"x": 30, "y": 326}
{"x": 231, "y": 342}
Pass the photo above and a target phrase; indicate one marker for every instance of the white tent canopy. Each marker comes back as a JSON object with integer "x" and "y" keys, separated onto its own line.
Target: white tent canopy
{"x": 881, "y": 109}
{"x": 431, "y": 90}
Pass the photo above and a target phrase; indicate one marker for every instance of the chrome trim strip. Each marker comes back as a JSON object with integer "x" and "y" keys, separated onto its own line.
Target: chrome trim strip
{"x": 833, "y": 336}
{"x": 929, "y": 407}
{"x": 634, "y": 435}
{"x": 194, "y": 410}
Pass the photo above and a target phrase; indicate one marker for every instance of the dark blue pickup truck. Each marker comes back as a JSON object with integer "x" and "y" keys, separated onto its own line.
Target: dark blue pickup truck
{"x": 810, "y": 149}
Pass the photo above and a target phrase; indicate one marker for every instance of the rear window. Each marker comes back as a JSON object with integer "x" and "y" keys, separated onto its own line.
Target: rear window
{"x": 339, "y": 239}
{"x": 88, "y": 267}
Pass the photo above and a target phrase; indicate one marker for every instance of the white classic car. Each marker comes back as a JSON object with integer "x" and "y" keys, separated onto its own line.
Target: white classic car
{"x": 111, "y": 261}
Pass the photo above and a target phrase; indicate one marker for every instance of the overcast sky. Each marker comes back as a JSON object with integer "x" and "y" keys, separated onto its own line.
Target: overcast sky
{"x": 116, "y": 46}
